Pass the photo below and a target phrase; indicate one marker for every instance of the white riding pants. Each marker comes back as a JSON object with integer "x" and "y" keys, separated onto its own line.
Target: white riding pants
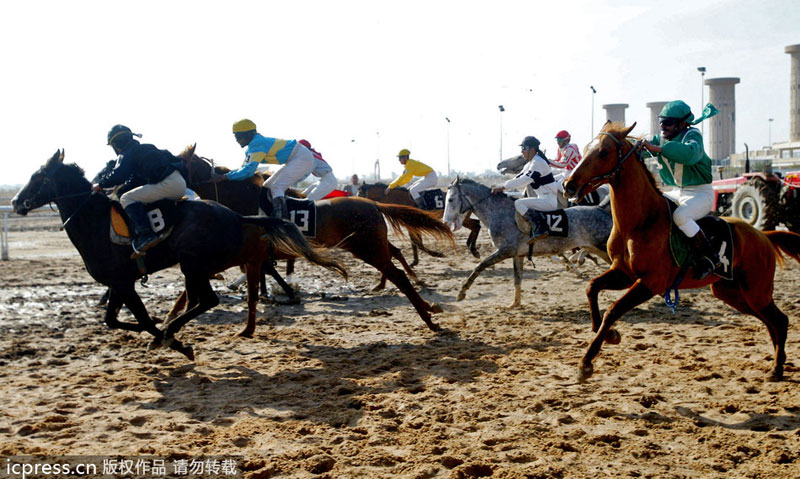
{"x": 299, "y": 165}
{"x": 425, "y": 183}
{"x": 172, "y": 187}
{"x": 695, "y": 202}
{"x": 322, "y": 188}
{"x": 541, "y": 203}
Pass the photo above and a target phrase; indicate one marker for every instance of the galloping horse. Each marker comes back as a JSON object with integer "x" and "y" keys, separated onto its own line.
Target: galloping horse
{"x": 639, "y": 248}
{"x": 206, "y": 238}
{"x": 401, "y": 196}
{"x": 588, "y": 227}
{"x": 356, "y": 225}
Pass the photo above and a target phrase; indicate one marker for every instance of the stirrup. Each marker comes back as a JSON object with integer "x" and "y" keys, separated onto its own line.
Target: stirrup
{"x": 708, "y": 268}
{"x": 535, "y": 237}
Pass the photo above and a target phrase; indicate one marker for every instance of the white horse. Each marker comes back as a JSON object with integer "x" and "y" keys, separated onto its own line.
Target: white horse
{"x": 589, "y": 228}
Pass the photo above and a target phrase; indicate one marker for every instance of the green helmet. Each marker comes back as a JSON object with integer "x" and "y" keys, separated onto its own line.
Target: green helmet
{"x": 677, "y": 110}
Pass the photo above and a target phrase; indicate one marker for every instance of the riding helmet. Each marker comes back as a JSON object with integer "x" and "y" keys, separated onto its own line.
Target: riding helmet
{"x": 530, "y": 142}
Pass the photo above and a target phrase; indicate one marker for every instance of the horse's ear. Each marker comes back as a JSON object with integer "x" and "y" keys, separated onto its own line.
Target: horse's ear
{"x": 606, "y": 125}
{"x": 630, "y": 129}
{"x": 57, "y": 158}
{"x": 192, "y": 148}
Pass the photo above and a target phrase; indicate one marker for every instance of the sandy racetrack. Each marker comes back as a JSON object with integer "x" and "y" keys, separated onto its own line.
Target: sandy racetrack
{"x": 351, "y": 384}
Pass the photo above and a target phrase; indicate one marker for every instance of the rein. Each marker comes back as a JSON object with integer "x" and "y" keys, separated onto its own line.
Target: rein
{"x": 49, "y": 183}
{"x": 600, "y": 180}
{"x": 210, "y": 163}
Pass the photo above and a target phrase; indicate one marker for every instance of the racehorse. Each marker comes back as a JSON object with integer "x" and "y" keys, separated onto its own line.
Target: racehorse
{"x": 356, "y": 225}
{"x": 401, "y": 196}
{"x": 588, "y": 227}
{"x": 639, "y": 248}
{"x": 206, "y": 238}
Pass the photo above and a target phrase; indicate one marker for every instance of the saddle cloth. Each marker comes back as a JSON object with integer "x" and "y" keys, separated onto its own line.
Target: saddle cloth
{"x": 557, "y": 222}
{"x": 433, "y": 199}
{"x": 302, "y": 212}
{"x": 718, "y": 232}
{"x": 162, "y": 215}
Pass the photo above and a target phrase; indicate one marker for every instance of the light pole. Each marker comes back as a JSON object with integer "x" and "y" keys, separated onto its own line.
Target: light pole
{"x": 591, "y": 132}
{"x": 769, "y": 145}
{"x": 448, "y": 147}
{"x": 702, "y": 71}
{"x": 501, "y": 130}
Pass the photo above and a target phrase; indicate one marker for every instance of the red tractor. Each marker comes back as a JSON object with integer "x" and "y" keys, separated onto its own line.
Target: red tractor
{"x": 762, "y": 199}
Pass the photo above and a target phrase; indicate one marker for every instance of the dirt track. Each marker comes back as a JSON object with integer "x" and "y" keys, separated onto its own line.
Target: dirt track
{"x": 350, "y": 384}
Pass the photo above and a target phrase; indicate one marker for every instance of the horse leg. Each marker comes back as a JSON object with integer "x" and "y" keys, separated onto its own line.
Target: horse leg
{"x": 416, "y": 239}
{"x": 197, "y": 287}
{"x": 180, "y": 305}
{"x": 395, "y": 252}
{"x": 134, "y": 303}
{"x": 113, "y": 306}
{"x": 474, "y": 227}
{"x": 269, "y": 267}
{"x": 635, "y": 296}
{"x": 490, "y": 260}
{"x": 518, "y": 265}
{"x": 776, "y": 322}
{"x": 253, "y": 273}
{"x": 612, "y": 279}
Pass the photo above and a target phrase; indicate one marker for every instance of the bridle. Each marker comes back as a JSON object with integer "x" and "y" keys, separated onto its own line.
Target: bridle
{"x": 465, "y": 199}
{"x": 600, "y": 180}
{"x": 49, "y": 183}
{"x": 210, "y": 164}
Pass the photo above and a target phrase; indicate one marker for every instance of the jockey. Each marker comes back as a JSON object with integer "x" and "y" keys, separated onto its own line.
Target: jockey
{"x": 568, "y": 155}
{"x": 414, "y": 168}
{"x": 685, "y": 167}
{"x": 150, "y": 173}
{"x": 296, "y": 162}
{"x": 323, "y": 171}
{"x": 537, "y": 176}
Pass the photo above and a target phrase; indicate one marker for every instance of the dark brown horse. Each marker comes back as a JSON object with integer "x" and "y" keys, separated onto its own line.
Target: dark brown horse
{"x": 639, "y": 248}
{"x": 356, "y": 225}
{"x": 401, "y": 196}
{"x": 206, "y": 238}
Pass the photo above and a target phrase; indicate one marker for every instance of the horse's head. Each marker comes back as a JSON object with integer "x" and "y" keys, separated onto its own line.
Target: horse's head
{"x": 512, "y": 165}
{"x": 199, "y": 169}
{"x": 602, "y": 160}
{"x": 41, "y": 188}
{"x": 453, "y": 215}
{"x": 374, "y": 191}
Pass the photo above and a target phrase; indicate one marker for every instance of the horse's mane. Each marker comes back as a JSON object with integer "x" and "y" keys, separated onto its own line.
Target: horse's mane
{"x": 379, "y": 184}
{"x": 618, "y": 129}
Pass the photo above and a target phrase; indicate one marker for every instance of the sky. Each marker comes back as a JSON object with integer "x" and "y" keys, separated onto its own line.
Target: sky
{"x": 363, "y": 79}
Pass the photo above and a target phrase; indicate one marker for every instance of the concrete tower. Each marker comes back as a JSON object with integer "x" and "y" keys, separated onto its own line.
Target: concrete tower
{"x": 655, "y": 109}
{"x": 794, "y": 89}
{"x": 722, "y": 128}
{"x": 615, "y": 112}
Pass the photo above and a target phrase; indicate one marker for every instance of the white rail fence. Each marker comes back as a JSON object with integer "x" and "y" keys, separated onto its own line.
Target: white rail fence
{"x": 6, "y": 210}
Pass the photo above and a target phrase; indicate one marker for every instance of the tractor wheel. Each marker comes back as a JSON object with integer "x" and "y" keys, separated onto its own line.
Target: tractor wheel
{"x": 756, "y": 203}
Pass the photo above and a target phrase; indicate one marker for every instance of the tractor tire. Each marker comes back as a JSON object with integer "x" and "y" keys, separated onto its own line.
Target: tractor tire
{"x": 756, "y": 203}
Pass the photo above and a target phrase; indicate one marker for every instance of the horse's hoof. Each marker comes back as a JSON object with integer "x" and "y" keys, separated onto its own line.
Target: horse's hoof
{"x": 377, "y": 288}
{"x": 155, "y": 344}
{"x": 585, "y": 372}
{"x": 436, "y": 308}
{"x": 775, "y": 377}
{"x": 461, "y": 296}
{"x": 245, "y": 334}
{"x": 475, "y": 253}
{"x": 434, "y": 327}
{"x": 613, "y": 336}
{"x": 188, "y": 352}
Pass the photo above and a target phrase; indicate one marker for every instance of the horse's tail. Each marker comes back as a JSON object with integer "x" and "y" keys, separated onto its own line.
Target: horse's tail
{"x": 785, "y": 242}
{"x": 415, "y": 221}
{"x": 284, "y": 237}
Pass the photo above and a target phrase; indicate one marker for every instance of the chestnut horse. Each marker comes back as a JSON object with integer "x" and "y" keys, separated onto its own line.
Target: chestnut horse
{"x": 401, "y": 196}
{"x": 640, "y": 254}
{"x": 356, "y": 225}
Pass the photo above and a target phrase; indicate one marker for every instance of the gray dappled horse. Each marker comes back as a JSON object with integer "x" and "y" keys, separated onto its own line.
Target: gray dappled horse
{"x": 589, "y": 228}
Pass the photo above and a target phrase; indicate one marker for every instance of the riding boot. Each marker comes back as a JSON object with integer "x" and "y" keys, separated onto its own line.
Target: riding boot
{"x": 706, "y": 260}
{"x": 144, "y": 238}
{"x": 279, "y": 208}
{"x": 420, "y": 202}
{"x": 539, "y": 228}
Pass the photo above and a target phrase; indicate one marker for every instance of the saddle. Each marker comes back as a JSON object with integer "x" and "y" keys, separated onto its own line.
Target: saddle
{"x": 162, "y": 215}
{"x": 433, "y": 199}
{"x": 557, "y": 222}
{"x": 302, "y": 212}
{"x": 718, "y": 232}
